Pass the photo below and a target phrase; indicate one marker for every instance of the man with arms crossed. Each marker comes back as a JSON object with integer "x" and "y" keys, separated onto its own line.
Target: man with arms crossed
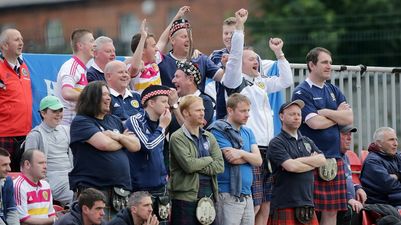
{"x": 325, "y": 110}
{"x": 235, "y": 204}
{"x": 294, "y": 158}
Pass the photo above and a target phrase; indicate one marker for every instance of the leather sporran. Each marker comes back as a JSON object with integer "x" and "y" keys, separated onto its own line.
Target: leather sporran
{"x": 120, "y": 198}
{"x": 304, "y": 214}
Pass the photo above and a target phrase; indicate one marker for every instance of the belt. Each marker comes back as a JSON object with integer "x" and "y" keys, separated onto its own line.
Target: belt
{"x": 242, "y": 197}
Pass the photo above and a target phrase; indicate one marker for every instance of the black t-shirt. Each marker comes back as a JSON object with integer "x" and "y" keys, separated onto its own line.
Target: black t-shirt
{"x": 291, "y": 189}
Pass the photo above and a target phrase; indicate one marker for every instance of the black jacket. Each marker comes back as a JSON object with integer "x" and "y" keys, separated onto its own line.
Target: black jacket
{"x": 122, "y": 218}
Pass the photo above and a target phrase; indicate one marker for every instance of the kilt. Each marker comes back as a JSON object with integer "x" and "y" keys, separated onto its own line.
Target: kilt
{"x": 183, "y": 212}
{"x": 331, "y": 195}
{"x": 12, "y": 145}
{"x": 287, "y": 216}
{"x": 262, "y": 182}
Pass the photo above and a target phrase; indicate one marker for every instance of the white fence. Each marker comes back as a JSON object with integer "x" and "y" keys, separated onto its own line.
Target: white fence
{"x": 373, "y": 92}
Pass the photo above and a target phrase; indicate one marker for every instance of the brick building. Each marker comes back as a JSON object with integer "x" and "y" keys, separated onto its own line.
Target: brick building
{"x": 47, "y": 24}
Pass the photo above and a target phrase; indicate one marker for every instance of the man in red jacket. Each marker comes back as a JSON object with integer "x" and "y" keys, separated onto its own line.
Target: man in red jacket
{"x": 15, "y": 94}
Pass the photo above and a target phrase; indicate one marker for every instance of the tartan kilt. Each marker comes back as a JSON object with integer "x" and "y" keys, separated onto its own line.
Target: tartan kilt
{"x": 262, "y": 181}
{"x": 286, "y": 216}
{"x": 183, "y": 212}
{"x": 261, "y": 185}
{"x": 331, "y": 195}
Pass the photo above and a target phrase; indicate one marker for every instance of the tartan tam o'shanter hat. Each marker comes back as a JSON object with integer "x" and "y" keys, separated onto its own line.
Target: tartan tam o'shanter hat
{"x": 153, "y": 91}
{"x": 178, "y": 25}
{"x": 190, "y": 69}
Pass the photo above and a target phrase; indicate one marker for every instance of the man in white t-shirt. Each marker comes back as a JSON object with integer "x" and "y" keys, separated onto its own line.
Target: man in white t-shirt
{"x": 71, "y": 78}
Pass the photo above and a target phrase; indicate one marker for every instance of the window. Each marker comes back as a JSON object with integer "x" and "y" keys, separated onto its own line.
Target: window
{"x": 129, "y": 25}
{"x": 54, "y": 32}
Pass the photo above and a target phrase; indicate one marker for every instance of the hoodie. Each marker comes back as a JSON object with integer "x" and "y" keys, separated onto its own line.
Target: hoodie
{"x": 74, "y": 217}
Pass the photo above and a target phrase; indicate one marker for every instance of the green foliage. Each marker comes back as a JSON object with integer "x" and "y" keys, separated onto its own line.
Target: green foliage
{"x": 356, "y": 32}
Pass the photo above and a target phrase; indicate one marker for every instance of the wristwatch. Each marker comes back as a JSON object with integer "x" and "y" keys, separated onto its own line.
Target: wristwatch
{"x": 174, "y": 106}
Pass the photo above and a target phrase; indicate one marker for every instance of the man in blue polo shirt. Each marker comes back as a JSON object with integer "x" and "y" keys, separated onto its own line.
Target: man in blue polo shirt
{"x": 124, "y": 103}
{"x": 148, "y": 171}
{"x": 240, "y": 151}
{"x": 325, "y": 110}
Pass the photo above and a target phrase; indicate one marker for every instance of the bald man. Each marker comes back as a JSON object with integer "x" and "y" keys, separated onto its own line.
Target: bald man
{"x": 124, "y": 103}
{"x": 15, "y": 94}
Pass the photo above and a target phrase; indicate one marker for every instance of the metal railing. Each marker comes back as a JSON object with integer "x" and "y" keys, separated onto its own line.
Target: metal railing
{"x": 373, "y": 92}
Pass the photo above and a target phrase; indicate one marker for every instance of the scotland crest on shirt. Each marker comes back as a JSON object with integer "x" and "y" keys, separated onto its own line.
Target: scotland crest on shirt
{"x": 135, "y": 103}
{"x": 333, "y": 97}
{"x": 24, "y": 72}
{"x": 308, "y": 146}
{"x": 206, "y": 145}
{"x": 261, "y": 85}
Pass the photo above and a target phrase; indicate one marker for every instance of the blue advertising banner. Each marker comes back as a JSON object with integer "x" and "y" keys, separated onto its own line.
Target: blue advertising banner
{"x": 44, "y": 69}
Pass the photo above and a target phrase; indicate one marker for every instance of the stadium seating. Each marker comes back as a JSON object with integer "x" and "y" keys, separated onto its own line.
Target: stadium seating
{"x": 356, "y": 166}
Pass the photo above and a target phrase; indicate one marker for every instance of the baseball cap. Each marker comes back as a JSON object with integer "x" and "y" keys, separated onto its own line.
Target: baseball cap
{"x": 51, "y": 102}
{"x": 348, "y": 128}
{"x": 298, "y": 102}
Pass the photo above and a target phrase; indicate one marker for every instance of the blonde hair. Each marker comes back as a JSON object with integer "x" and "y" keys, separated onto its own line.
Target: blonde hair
{"x": 187, "y": 101}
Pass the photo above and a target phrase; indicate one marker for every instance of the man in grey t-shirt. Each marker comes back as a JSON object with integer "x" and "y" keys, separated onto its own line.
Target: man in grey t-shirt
{"x": 53, "y": 139}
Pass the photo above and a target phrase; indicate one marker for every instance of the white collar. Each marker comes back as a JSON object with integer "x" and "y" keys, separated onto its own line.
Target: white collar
{"x": 310, "y": 82}
{"x": 94, "y": 65}
{"x": 116, "y": 94}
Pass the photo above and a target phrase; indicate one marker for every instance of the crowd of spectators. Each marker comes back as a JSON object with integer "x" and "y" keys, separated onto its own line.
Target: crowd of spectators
{"x": 146, "y": 142}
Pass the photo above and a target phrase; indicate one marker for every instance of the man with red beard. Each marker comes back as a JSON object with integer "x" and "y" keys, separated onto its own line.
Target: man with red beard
{"x": 195, "y": 161}
{"x": 98, "y": 141}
